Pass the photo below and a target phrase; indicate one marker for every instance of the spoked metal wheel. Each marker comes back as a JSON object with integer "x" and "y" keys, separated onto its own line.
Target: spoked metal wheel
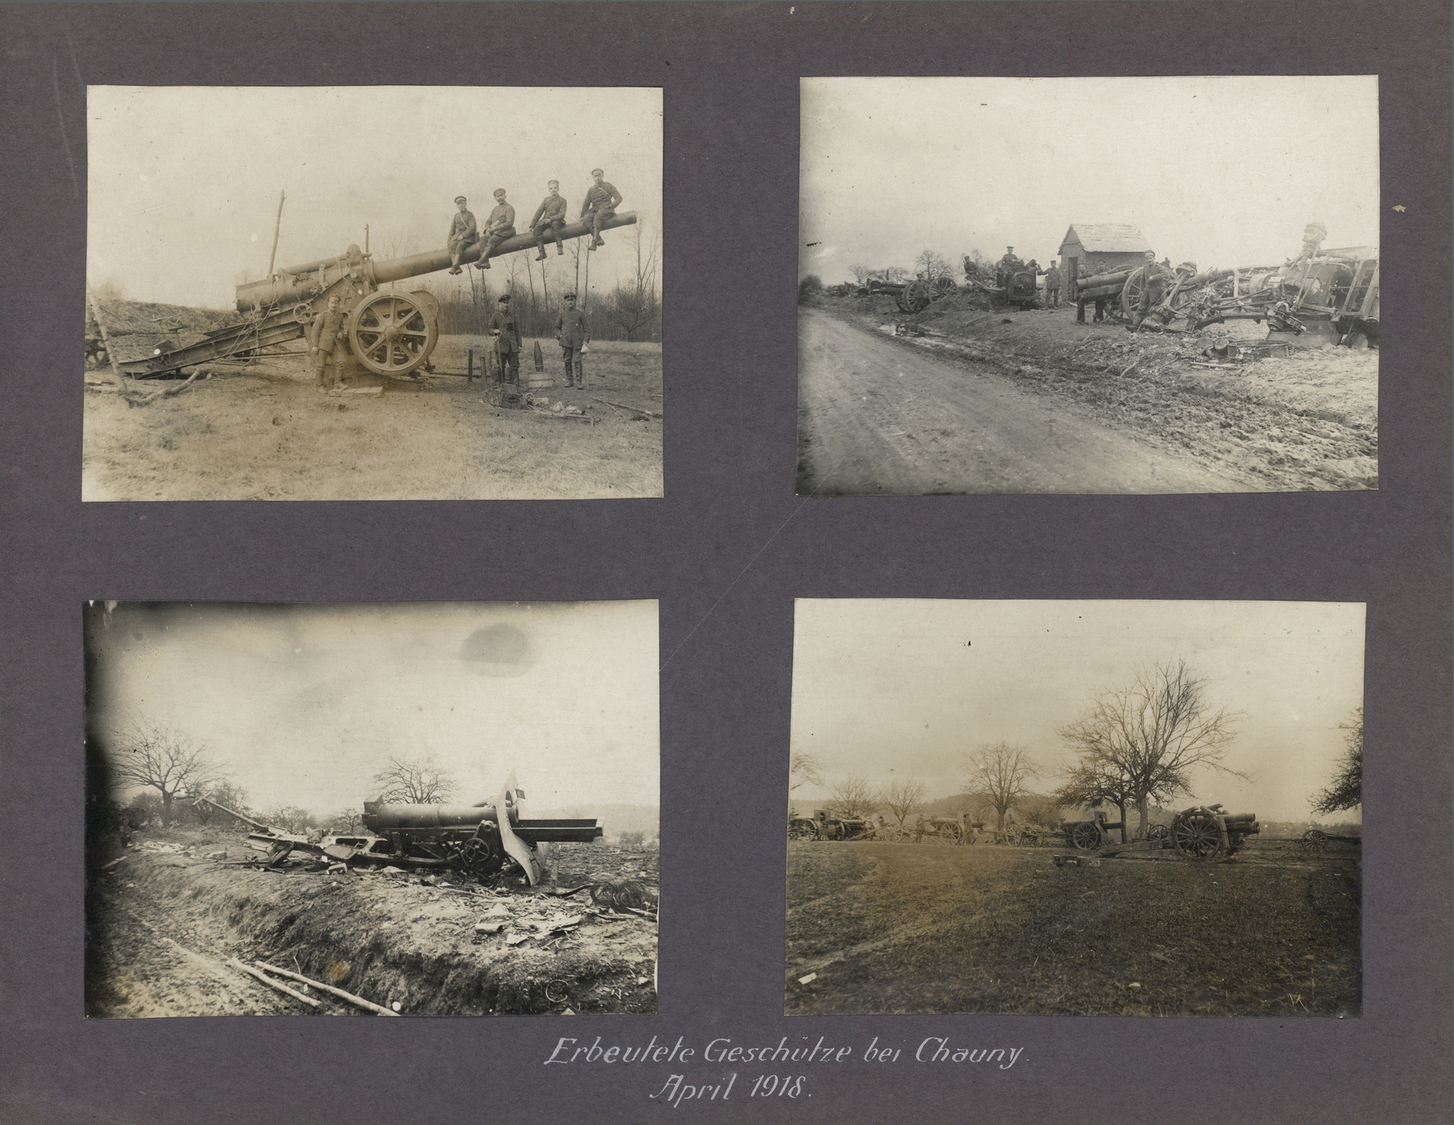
{"x": 1197, "y": 835}
{"x": 916, "y": 297}
{"x": 942, "y": 287}
{"x": 1314, "y": 841}
{"x": 393, "y": 333}
{"x": 1084, "y": 837}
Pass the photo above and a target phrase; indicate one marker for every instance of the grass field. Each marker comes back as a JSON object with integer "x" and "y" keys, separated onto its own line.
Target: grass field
{"x": 265, "y": 433}
{"x": 890, "y": 928}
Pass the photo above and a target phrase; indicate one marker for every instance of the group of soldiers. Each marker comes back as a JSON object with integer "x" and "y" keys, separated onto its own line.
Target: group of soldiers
{"x": 600, "y": 205}
{"x": 549, "y": 220}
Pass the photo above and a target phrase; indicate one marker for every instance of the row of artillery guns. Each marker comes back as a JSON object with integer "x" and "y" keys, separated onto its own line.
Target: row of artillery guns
{"x": 1009, "y": 285}
{"x": 1335, "y": 291}
{"x": 1203, "y": 832}
{"x": 825, "y": 824}
{"x": 390, "y": 332}
{"x": 488, "y": 841}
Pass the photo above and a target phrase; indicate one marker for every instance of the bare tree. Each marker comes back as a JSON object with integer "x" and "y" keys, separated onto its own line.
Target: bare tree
{"x": 1346, "y": 792}
{"x": 635, "y": 303}
{"x": 1000, "y": 771}
{"x": 895, "y": 274}
{"x": 348, "y": 820}
{"x": 930, "y": 265}
{"x": 853, "y": 796}
{"x": 159, "y": 758}
{"x": 861, "y": 274}
{"x": 415, "y": 781}
{"x": 803, "y": 769}
{"x": 290, "y": 818}
{"x": 1155, "y": 731}
{"x": 903, "y": 796}
{"x": 1094, "y": 782}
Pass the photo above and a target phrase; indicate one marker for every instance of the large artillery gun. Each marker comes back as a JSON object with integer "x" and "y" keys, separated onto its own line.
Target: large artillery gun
{"x": 485, "y": 841}
{"x": 1202, "y": 832}
{"x": 912, "y": 296}
{"x": 389, "y": 332}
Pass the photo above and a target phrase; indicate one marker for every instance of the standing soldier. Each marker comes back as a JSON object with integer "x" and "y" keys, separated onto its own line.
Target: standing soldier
{"x": 462, "y": 234}
{"x": 602, "y": 199}
{"x": 571, "y": 335}
{"x": 506, "y": 335}
{"x": 1052, "y": 287}
{"x": 325, "y": 343}
{"x": 498, "y": 227}
{"x": 549, "y": 216}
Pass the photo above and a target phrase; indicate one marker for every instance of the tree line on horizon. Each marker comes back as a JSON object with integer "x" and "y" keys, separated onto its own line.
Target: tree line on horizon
{"x": 1133, "y": 749}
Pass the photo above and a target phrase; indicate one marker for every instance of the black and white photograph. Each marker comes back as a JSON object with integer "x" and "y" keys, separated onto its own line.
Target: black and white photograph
{"x": 1109, "y": 808}
{"x": 1088, "y": 285}
{"x": 373, "y": 293}
{"x": 445, "y": 809}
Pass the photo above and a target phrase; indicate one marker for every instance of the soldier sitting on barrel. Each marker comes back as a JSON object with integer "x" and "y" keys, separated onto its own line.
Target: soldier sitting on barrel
{"x": 498, "y": 227}
{"x": 462, "y": 234}
{"x": 549, "y": 216}
{"x": 602, "y": 199}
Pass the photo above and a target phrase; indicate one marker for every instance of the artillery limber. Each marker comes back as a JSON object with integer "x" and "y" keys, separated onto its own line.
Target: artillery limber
{"x": 953, "y": 829}
{"x": 389, "y": 332}
{"x": 1316, "y": 840}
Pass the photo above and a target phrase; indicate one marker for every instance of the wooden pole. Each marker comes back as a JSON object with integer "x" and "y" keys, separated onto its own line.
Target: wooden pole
{"x": 349, "y": 996}
{"x": 236, "y": 964}
{"x": 106, "y": 340}
{"x": 277, "y": 229}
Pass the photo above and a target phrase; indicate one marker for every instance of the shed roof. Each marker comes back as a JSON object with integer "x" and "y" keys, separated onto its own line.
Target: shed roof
{"x": 1107, "y": 238}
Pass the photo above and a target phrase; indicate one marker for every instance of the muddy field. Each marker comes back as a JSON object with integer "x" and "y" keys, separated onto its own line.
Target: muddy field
{"x": 265, "y": 433}
{"x": 1032, "y": 401}
{"x": 163, "y": 923}
{"x": 926, "y": 928}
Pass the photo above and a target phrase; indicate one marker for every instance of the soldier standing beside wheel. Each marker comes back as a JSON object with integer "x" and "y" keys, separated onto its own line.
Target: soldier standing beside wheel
{"x": 325, "y": 343}
{"x": 571, "y": 335}
{"x": 549, "y": 216}
{"x": 506, "y": 334}
{"x": 1052, "y": 287}
{"x": 602, "y": 199}
{"x": 498, "y": 227}
{"x": 1143, "y": 303}
{"x": 462, "y": 234}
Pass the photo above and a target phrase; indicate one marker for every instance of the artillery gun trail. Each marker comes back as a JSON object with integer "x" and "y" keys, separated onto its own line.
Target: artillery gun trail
{"x": 390, "y": 332}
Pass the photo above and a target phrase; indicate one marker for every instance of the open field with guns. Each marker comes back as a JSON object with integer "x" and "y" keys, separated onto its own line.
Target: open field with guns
{"x": 931, "y": 928}
{"x": 172, "y": 918}
{"x": 263, "y": 432}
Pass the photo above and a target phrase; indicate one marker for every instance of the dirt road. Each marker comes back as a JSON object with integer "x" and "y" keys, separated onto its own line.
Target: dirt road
{"x": 878, "y": 416}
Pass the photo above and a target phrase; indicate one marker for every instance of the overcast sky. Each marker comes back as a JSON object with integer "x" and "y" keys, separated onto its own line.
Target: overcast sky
{"x": 1222, "y": 171}
{"x": 304, "y": 704}
{"x": 898, "y": 688}
{"x": 184, "y": 181}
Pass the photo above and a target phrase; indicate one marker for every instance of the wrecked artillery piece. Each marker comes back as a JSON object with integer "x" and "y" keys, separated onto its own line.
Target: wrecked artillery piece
{"x": 389, "y": 331}
{"x": 1008, "y": 285}
{"x": 474, "y": 840}
{"x": 1336, "y": 291}
{"x": 912, "y": 296}
{"x": 825, "y": 825}
{"x": 1200, "y": 832}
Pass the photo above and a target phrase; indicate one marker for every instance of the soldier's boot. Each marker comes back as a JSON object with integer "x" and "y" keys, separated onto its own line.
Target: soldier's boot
{"x": 559, "y": 249}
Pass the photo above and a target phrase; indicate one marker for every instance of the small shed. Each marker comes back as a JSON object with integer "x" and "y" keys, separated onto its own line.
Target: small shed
{"x": 1102, "y": 248}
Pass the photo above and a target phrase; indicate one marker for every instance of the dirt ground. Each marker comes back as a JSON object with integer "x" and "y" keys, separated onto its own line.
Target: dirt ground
{"x": 1031, "y": 401}
{"x": 933, "y": 928}
{"x": 163, "y": 923}
{"x": 265, "y": 433}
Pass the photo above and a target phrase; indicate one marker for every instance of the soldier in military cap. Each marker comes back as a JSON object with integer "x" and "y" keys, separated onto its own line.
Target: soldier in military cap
{"x": 506, "y": 334}
{"x": 462, "y": 234}
{"x": 326, "y": 334}
{"x": 498, "y": 227}
{"x": 602, "y": 199}
{"x": 549, "y": 216}
{"x": 571, "y": 334}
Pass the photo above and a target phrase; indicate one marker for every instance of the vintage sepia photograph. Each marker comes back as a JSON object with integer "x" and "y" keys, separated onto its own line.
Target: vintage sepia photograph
{"x": 1088, "y": 285}
{"x": 1134, "y": 808}
{"x": 410, "y": 809}
{"x": 373, "y": 293}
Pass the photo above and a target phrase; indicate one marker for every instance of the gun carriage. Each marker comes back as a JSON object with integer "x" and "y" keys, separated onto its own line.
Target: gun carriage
{"x": 484, "y": 841}
{"x": 389, "y": 332}
{"x": 912, "y": 296}
{"x": 1202, "y": 832}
